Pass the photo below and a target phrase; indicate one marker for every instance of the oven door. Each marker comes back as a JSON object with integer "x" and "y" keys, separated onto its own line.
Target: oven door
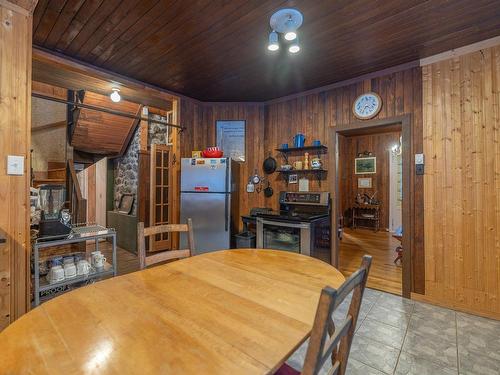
{"x": 281, "y": 235}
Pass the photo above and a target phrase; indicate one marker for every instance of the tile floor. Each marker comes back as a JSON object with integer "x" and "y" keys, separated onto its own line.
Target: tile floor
{"x": 395, "y": 335}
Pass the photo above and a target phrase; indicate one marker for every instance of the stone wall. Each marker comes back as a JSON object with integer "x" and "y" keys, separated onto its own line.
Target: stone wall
{"x": 126, "y": 171}
{"x": 127, "y": 167}
{"x": 158, "y": 133}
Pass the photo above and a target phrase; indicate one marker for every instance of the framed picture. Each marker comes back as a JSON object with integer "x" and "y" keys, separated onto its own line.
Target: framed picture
{"x": 230, "y": 136}
{"x": 364, "y": 182}
{"x": 366, "y": 165}
{"x": 293, "y": 179}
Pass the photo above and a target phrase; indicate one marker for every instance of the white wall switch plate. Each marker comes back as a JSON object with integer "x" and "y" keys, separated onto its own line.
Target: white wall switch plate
{"x": 15, "y": 165}
{"x": 419, "y": 159}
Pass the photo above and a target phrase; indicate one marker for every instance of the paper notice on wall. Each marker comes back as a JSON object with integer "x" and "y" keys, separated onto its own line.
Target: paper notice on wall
{"x": 303, "y": 184}
{"x": 231, "y": 139}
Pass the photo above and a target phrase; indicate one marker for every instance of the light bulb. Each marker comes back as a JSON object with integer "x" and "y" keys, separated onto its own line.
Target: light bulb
{"x": 294, "y": 47}
{"x": 291, "y": 35}
{"x": 273, "y": 41}
{"x": 115, "y": 96}
{"x": 290, "y": 29}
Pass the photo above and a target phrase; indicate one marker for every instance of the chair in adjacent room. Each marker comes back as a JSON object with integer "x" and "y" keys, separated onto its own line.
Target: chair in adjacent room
{"x": 158, "y": 257}
{"x": 327, "y": 340}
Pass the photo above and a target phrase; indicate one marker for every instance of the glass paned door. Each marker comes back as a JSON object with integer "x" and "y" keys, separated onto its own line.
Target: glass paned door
{"x": 160, "y": 213}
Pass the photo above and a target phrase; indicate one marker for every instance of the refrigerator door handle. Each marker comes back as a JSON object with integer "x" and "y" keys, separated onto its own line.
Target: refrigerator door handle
{"x": 228, "y": 177}
{"x": 226, "y": 212}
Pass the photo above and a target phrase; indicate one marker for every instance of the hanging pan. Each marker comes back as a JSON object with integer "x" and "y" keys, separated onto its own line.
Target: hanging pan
{"x": 269, "y": 165}
{"x": 268, "y": 191}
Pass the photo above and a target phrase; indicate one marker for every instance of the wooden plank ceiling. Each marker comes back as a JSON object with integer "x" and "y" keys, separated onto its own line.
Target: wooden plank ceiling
{"x": 216, "y": 51}
{"x": 102, "y": 133}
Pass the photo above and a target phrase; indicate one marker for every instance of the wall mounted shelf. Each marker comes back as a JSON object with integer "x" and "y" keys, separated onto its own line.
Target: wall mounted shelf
{"x": 320, "y": 149}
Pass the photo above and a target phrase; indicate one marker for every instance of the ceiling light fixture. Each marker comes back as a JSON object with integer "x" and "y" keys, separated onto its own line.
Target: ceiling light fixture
{"x": 273, "y": 41}
{"x": 115, "y": 95}
{"x": 285, "y": 21}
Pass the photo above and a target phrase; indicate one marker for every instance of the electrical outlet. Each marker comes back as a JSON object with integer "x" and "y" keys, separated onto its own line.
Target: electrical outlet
{"x": 419, "y": 169}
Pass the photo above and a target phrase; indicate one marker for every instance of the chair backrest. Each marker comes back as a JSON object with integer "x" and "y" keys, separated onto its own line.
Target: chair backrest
{"x": 328, "y": 341}
{"x": 162, "y": 256}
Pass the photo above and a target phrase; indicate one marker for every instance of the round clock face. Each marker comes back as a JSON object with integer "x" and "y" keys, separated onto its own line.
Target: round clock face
{"x": 367, "y": 106}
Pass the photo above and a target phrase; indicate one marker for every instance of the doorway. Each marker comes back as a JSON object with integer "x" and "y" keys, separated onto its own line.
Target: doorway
{"x": 370, "y": 177}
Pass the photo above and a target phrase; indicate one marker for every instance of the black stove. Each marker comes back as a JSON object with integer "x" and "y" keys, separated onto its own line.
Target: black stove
{"x": 301, "y": 225}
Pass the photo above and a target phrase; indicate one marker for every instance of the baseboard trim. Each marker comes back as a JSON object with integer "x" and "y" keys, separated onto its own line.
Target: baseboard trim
{"x": 423, "y": 298}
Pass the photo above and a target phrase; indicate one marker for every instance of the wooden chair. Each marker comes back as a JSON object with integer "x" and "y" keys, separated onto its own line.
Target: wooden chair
{"x": 162, "y": 256}
{"x": 326, "y": 339}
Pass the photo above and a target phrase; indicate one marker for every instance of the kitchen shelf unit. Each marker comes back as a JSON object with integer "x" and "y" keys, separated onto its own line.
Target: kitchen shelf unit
{"x": 285, "y": 153}
{"x": 42, "y": 285}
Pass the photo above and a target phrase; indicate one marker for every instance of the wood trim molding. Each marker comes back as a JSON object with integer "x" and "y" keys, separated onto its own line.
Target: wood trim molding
{"x": 347, "y": 82}
{"x": 131, "y": 132}
{"x": 62, "y": 71}
{"x": 408, "y": 204}
{"x": 487, "y": 43}
{"x": 426, "y": 299}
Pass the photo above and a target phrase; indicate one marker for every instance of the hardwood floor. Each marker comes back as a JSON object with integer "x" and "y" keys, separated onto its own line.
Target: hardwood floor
{"x": 127, "y": 261}
{"x": 384, "y": 274}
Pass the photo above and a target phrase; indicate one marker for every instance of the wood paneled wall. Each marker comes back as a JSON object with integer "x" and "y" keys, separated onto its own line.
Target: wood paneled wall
{"x": 462, "y": 181}
{"x": 15, "y": 124}
{"x": 379, "y": 144}
{"x": 306, "y": 115}
{"x": 270, "y": 125}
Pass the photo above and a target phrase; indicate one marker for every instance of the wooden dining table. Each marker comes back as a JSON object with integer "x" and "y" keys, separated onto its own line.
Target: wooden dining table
{"x": 233, "y": 312}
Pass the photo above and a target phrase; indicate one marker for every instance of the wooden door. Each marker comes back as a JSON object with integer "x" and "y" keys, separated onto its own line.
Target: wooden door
{"x": 161, "y": 195}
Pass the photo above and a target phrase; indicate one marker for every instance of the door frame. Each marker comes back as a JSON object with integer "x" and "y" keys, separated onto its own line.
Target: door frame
{"x": 408, "y": 193}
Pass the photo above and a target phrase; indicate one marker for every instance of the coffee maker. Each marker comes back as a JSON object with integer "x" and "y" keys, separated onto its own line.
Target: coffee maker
{"x": 54, "y": 220}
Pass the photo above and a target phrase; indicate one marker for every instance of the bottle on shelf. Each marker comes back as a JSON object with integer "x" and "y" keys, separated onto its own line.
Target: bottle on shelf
{"x": 306, "y": 160}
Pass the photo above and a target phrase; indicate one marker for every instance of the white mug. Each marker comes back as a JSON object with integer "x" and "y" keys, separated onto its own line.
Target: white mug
{"x": 83, "y": 267}
{"x": 55, "y": 274}
{"x": 98, "y": 259}
{"x": 69, "y": 270}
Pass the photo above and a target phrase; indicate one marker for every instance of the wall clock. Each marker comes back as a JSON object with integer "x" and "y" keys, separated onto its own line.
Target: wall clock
{"x": 367, "y": 106}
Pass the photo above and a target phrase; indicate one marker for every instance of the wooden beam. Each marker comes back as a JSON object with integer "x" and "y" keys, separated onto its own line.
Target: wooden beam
{"x": 131, "y": 132}
{"x": 62, "y": 71}
{"x": 48, "y": 90}
{"x": 24, "y": 7}
{"x": 143, "y": 140}
{"x": 15, "y": 139}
